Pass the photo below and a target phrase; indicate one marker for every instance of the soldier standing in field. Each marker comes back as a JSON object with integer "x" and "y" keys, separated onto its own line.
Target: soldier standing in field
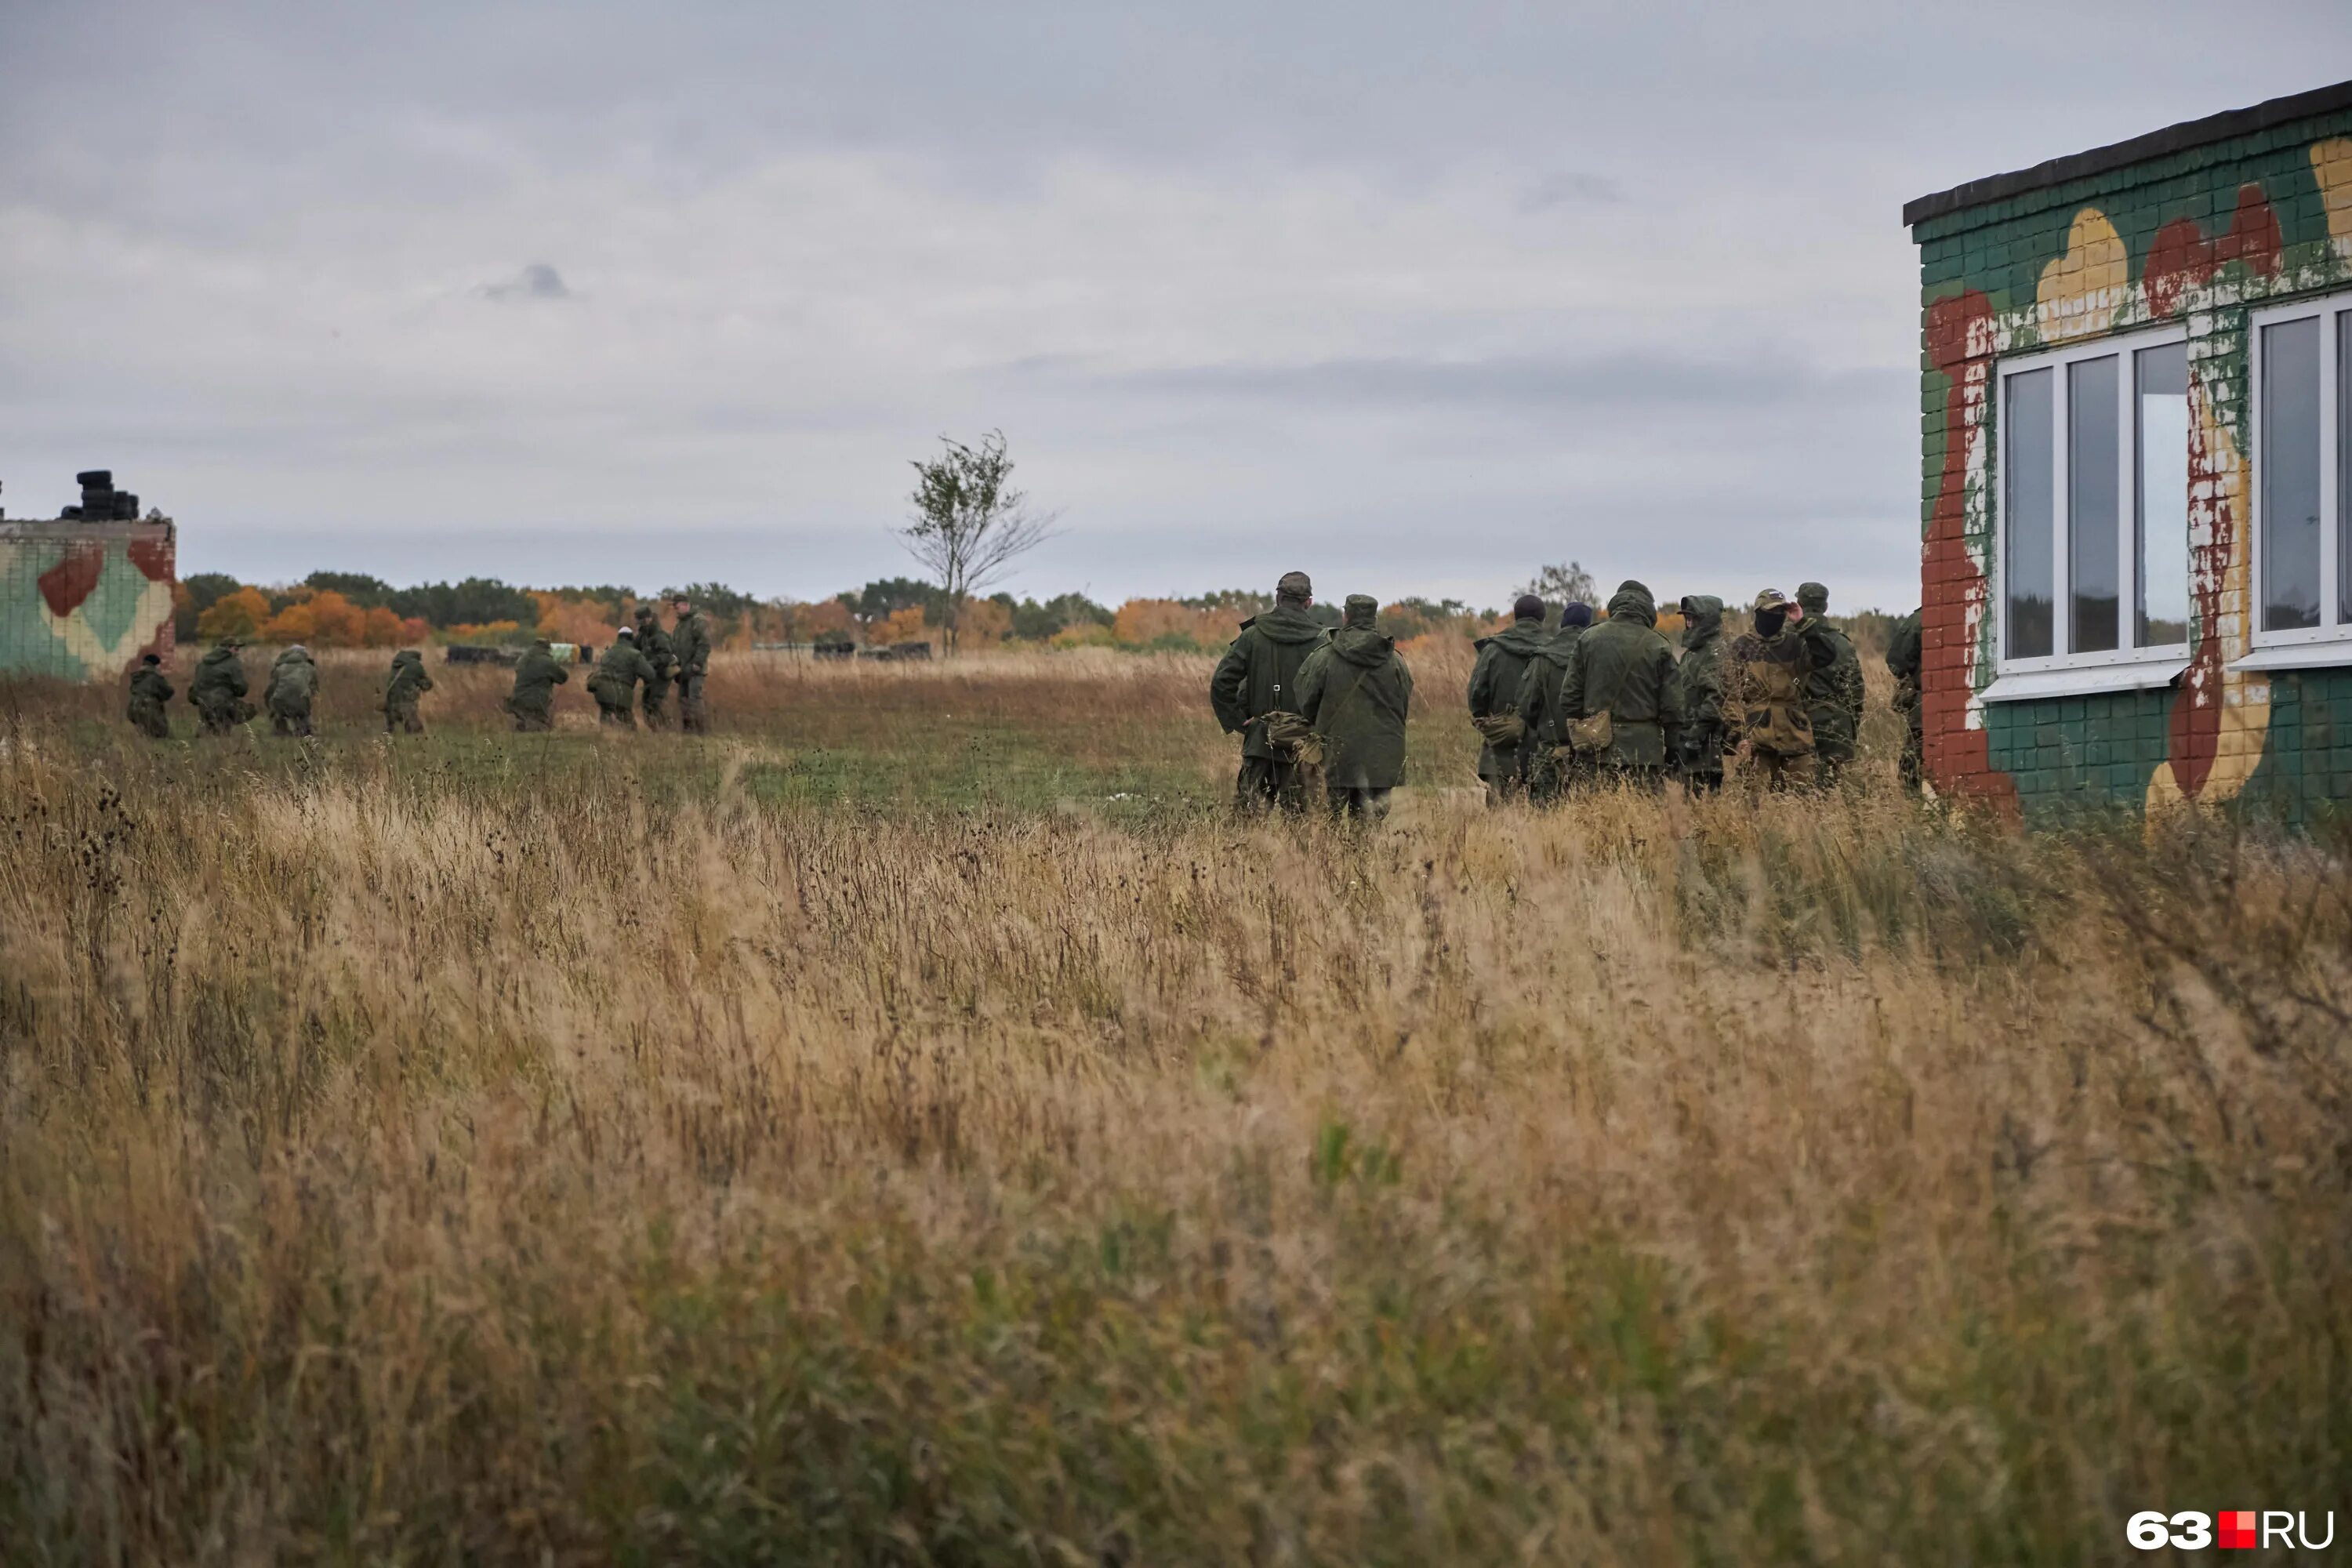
{"x": 1617, "y": 698}
{"x": 1355, "y": 691}
{"x": 1502, "y": 660}
{"x": 149, "y": 692}
{"x": 652, "y": 644}
{"x": 407, "y": 682}
{"x": 293, "y": 682}
{"x": 1698, "y": 743}
{"x": 613, "y": 682}
{"x": 1539, "y": 705}
{"x": 1903, "y": 663}
{"x": 537, "y": 675}
{"x": 1258, "y": 678}
{"x": 1767, "y": 676}
{"x": 690, "y": 641}
{"x": 218, "y": 690}
{"x": 1833, "y": 694}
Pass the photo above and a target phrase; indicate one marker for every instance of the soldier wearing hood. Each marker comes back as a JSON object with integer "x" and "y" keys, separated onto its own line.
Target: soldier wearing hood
{"x": 149, "y": 692}
{"x": 1258, "y": 678}
{"x": 1766, "y": 678}
{"x": 1355, "y": 691}
{"x": 1539, "y": 705}
{"x": 1502, "y": 660}
{"x": 1903, "y": 664}
{"x": 293, "y": 682}
{"x": 1617, "y": 698}
{"x": 613, "y": 682}
{"x": 1698, "y": 743}
{"x": 537, "y": 675}
{"x": 218, "y": 690}
{"x": 1833, "y": 691}
{"x": 653, "y": 643}
{"x": 408, "y": 681}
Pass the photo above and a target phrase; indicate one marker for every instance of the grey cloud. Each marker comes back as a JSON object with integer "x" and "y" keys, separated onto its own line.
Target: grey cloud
{"x": 1568, "y": 188}
{"x": 536, "y": 281}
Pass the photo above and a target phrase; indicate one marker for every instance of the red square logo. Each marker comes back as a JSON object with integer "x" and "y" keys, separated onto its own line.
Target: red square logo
{"x": 2236, "y": 1529}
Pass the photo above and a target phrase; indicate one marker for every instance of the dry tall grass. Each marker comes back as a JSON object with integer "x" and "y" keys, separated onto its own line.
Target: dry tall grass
{"x": 402, "y": 1170}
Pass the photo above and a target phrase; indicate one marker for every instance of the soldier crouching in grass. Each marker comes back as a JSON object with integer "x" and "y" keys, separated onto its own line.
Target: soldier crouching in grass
{"x": 1355, "y": 691}
{"x": 293, "y": 683}
{"x": 406, "y": 683}
{"x": 537, "y": 675}
{"x": 613, "y": 682}
{"x": 218, "y": 690}
{"x": 149, "y": 692}
{"x": 1257, "y": 682}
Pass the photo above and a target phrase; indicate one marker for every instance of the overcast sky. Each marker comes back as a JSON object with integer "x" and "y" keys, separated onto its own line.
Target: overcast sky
{"x": 1413, "y": 296}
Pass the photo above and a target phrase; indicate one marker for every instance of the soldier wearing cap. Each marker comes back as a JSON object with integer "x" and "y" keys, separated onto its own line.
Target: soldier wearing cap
{"x": 1834, "y": 692}
{"x": 1765, "y": 677}
{"x": 1257, "y": 680}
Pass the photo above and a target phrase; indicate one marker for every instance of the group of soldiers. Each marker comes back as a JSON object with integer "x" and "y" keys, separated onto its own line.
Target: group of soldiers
{"x": 642, "y": 658}
{"x": 1559, "y": 707}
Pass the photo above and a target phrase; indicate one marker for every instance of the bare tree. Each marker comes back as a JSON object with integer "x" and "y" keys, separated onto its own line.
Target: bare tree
{"x": 970, "y": 524}
{"x": 1558, "y": 586}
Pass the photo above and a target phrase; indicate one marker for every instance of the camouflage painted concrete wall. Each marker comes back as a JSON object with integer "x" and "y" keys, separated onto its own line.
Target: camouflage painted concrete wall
{"x": 82, "y": 601}
{"x": 2201, "y": 237}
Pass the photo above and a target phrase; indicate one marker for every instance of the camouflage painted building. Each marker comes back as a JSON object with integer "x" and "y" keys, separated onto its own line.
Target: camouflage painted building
{"x": 2137, "y": 466}
{"x": 81, "y": 601}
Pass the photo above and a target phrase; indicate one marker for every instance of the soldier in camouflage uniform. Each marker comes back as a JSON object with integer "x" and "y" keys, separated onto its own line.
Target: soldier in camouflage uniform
{"x": 613, "y": 682}
{"x": 218, "y": 690}
{"x": 1356, "y": 691}
{"x": 653, "y": 643}
{"x": 1257, "y": 678}
{"x": 293, "y": 682}
{"x": 1539, "y": 705}
{"x": 408, "y": 681}
{"x": 1766, "y": 678}
{"x": 1903, "y": 663}
{"x": 1834, "y": 694}
{"x": 1502, "y": 660}
{"x": 149, "y": 692}
{"x": 1624, "y": 669}
{"x": 532, "y": 701}
{"x": 1698, "y": 740}
{"x": 690, "y": 641}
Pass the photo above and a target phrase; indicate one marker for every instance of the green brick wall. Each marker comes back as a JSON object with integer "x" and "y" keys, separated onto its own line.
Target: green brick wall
{"x": 2202, "y": 237}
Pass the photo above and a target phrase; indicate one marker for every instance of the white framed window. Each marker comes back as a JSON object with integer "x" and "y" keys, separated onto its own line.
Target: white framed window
{"x": 2092, "y": 506}
{"x": 2301, "y": 387}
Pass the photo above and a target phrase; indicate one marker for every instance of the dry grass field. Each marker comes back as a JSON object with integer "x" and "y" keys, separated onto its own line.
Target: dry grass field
{"x": 915, "y": 1124}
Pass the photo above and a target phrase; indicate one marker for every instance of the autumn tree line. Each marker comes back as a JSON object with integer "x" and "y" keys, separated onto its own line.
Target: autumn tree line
{"x": 351, "y": 609}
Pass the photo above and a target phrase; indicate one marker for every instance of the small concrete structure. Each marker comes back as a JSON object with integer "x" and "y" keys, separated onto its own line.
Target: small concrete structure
{"x": 81, "y": 601}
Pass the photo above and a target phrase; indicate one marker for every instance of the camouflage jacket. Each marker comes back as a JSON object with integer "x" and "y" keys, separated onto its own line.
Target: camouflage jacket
{"x": 1903, "y": 663}
{"x": 407, "y": 682}
{"x": 618, "y": 669}
{"x": 1765, "y": 680}
{"x": 652, "y": 645}
{"x": 149, "y": 690}
{"x": 1833, "y": 691}
{"x": 1539, "y": 686}
{"x": 219, "y": 681}
{"x": 293, "y": 681}
{"x": 1698, "y": 675}
{"x": 1625, "y": 668}
{"x": 1259, "y": 673}
{"x": 1356, "y": 691}
{"x": 536, "y": 678}
{"x": 689, "y": 644}
{"x": 1502, "y": 660}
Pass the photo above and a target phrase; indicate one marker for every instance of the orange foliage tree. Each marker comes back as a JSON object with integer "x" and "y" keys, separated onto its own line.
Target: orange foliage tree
{"x": 904, "y": 626}
{"x": 1140, "y": 621}
{"x": 590, "y": 621}
{"x": 237, "y": 615}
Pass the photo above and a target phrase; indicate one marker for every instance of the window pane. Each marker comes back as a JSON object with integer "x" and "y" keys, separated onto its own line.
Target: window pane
{"x": 2161, "y": 528}
{"x": 2029, "y": 499}
{"x": 2344, "y": 467}
{"x": 2094, "y": 458}
{"x": 2289, "y": 476}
